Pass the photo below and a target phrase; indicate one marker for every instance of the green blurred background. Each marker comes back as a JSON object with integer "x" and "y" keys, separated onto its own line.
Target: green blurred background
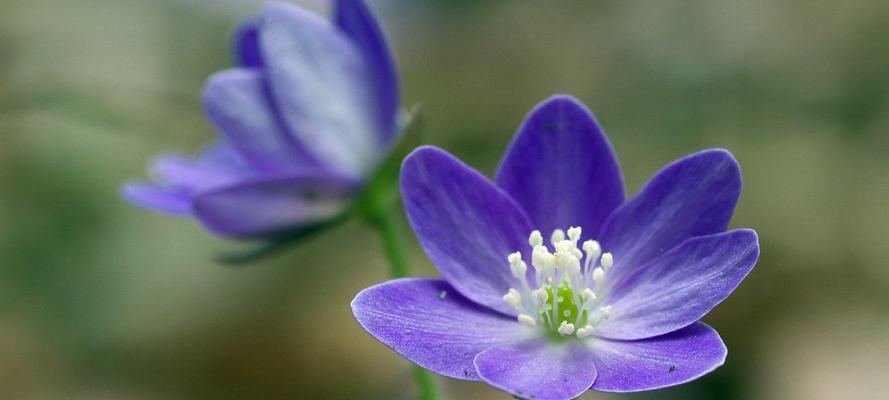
{"x": 100, "y": 300}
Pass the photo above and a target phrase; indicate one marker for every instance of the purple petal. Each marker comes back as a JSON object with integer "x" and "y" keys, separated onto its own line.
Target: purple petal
{"x": 693, "y": 196}
{"x": 538, "y": 369}
{"x": 467, "y": 225}
{"x": 246, "y": 40}
{"x": 681, "y": 286}
{"x": 236, "y": 102}
{"x": 268, "y": 205}
{"x": 318, "y": 79}
{"x": 191, "y": 176}
{"x": 221, "y": 155}
{"x": 654, "y": 363}
{"x": 357, "y": 22}
{"x": 561, "y": 169}
{"x": 156, "y": 198}
{"x": 432, "y": 325}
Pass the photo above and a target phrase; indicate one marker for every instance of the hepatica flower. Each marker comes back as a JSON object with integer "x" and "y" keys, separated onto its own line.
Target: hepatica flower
{"x": 553, "y": 283}
{"x": 304, "y": 121}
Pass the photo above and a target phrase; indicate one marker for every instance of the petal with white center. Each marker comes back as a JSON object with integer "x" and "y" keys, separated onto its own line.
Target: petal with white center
{"x": 693, "y": 196}
{"x": 467, "y": 225}
{"x": 428, "y": 322}
{"x": 681, "y": 286}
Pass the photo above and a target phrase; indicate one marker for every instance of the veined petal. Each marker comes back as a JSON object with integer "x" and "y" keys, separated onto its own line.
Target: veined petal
{"x": 237, "y": 103}
{"x": 693, "y": 196}
{"x": 681, "y": 286}
{"x": 538, "y": 369}
{"x": 671, "y": 359}
{"x": 466, "y": 224}
{"x": 269, "y": 205}
{"x": 318, "y": 79}
{"x": 246, "y": 43}
{"x": 428, "y": 322}
{"x": 153, "y": 197}
{"x": 356, "y": 21}
{"x": 561, "y": 169}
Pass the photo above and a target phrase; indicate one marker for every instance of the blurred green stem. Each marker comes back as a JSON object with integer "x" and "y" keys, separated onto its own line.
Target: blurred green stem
{"x": 398, "y": 268}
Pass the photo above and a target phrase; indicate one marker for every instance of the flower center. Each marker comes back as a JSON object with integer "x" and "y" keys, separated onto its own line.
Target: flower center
{"x": 567, "y": 289}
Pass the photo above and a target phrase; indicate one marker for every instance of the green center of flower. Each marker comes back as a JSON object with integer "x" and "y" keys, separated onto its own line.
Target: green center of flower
{"x": 562, "y": 296}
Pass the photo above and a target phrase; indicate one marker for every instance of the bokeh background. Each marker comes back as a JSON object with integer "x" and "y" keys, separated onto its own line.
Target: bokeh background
{"x": 100, "y": 300}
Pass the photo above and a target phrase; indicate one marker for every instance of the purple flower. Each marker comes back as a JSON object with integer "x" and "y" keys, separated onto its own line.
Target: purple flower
{"x": 612, "y": 304}
{"x": 304, "y": 121}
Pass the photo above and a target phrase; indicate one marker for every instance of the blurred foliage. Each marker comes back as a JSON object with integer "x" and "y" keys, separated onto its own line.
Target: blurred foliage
{"x": 99, "y": 299}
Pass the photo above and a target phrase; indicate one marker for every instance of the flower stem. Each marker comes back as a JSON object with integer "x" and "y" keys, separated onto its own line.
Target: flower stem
{"x": 398, "y": 268}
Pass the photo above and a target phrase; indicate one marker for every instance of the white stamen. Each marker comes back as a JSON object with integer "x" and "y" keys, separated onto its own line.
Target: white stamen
{"x": 574, "y": 234}
{"x": 566, "y": 259}
{"x": 598, "y": 275}
{"x": 514, "y": 257}
{"x": 567, "y": 282}
{"x": 526, "y": 320}
{"x": 542, "y": 260}
{"x": 536, "y": 239}
{"x": 592, "y": 248}
{"x": 557, "y": 236}
{"x": 585, "y": 332}
{"x": 606, "y": 312}
{"x": 607, "y": 260}
{"x": 516, "y": 265}
{"x": 588, "y": 295}
{"x": 514, "y": 299}
{"x": 566, "y": 329}
{"x": 541, "y": 295}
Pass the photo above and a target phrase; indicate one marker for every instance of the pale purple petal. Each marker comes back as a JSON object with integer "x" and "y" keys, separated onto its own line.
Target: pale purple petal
{"x": 355, "y": 20}
{"x": 156, "y": 198}
{"x": 222, "y": 155}
{"x": 671, "y": 359}
{"x": 267, "y": 205}
{"x": 466, "y": 224}
{"x": 246, "y": 43}
{"x": 538, "y": 369}
{"x": 681, "y": 286}
{"x": 693, "y": 196}
{"x": 561, "y": 169}
{"x": 237, "y": 103}
{"x": 428, "y": 322}
{"x": 318, "y": 79}
{"x": 191, "y": 176}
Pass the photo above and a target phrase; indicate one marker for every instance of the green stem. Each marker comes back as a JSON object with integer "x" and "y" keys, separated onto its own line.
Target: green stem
{"x": 398, "y": 268}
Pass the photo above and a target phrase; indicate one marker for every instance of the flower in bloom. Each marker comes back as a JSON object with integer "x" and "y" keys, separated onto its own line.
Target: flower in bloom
{"x": 554, "y": 284}
{"x": 304, "y": 121}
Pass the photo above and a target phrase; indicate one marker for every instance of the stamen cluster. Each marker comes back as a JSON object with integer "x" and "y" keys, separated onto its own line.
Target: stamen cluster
{"x": 567, "y": 288}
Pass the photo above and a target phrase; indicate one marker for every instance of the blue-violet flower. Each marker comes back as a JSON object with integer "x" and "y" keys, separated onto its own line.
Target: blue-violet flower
{"x": 610, "y": 299}
{"x": 305, "y": 119}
